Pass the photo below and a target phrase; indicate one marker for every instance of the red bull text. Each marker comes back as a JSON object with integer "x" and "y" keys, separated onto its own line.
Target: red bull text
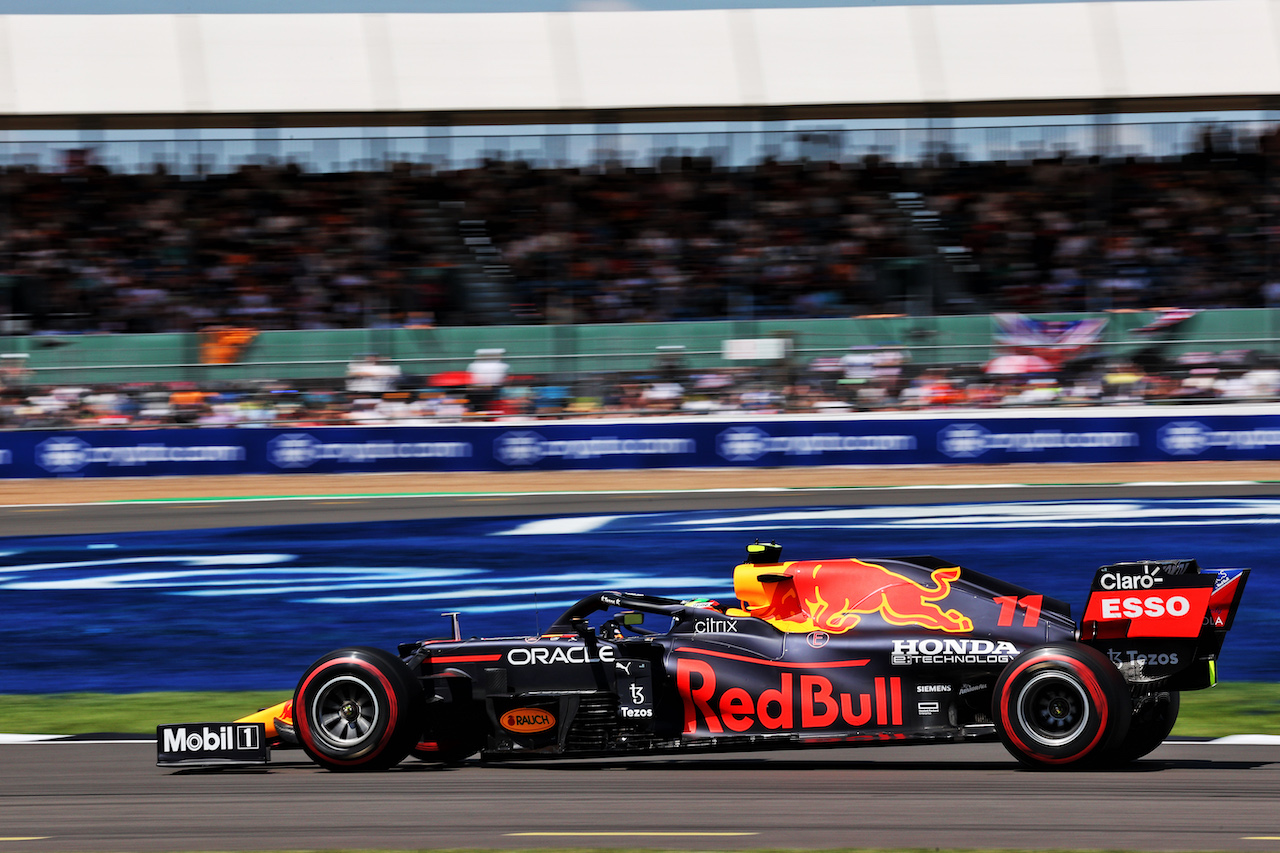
{"x": 792, "y": 701}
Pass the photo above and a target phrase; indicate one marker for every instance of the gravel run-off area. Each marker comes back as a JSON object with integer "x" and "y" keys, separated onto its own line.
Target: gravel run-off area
{"x": 93, "y": 490}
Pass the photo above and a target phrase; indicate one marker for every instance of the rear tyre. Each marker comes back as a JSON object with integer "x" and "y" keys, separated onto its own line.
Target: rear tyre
{"x": 1061, "y": 705}
{"x": 358, "y": 709}
{"x": 1149, "y": 726}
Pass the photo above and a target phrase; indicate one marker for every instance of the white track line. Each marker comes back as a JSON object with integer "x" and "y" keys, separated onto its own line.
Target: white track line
{"x": 637, "y": 492}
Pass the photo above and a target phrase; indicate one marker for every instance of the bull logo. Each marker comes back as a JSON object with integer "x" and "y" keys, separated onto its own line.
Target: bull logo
{"x": 833, "y": 596}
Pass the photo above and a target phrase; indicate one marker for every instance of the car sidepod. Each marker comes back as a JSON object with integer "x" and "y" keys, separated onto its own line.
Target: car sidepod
{"x": 545, "y": 695}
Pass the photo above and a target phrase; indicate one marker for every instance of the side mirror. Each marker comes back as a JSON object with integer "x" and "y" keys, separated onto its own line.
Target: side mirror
{"x": 632, "y": 617}
{"x": 583, "y": 629}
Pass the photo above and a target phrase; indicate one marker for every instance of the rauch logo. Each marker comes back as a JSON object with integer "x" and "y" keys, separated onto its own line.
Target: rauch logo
{"x": 528, "y": 720}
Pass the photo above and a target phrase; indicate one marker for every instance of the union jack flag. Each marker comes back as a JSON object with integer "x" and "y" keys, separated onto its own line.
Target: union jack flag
{"x": 1053, "y": 340}
{"x": 1165, "y": 319}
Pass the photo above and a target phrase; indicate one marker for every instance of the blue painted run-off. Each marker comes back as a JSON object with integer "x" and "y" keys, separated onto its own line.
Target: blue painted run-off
{"x": 250, "y": 608}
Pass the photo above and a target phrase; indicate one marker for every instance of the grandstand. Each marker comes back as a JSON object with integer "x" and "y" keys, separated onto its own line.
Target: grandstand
{"x": 426, "y": 185}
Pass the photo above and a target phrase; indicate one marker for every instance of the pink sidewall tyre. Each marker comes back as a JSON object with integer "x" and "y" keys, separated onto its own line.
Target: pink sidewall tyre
{"x": 358, "y": 709}
{"x": 1062, "y": 705}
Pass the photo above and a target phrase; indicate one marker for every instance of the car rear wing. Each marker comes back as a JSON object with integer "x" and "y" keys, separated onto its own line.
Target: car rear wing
{"x": 1161, "y": 619}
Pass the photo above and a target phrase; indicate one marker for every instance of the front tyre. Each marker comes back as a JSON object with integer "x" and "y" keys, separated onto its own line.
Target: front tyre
{"x": 1061, "y": 705}
{"x": 358, "y": 709}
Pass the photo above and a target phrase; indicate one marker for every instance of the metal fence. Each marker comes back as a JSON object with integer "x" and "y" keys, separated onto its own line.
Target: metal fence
{"x": 569, "y": 352}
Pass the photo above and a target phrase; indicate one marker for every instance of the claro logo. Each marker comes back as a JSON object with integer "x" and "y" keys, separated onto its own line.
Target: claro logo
{"x": 527, "y": 721}
{"x": 1147, "y": 580}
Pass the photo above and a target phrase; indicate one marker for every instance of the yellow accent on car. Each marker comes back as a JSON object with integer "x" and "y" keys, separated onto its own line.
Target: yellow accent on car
{"x": 267, "y": 716}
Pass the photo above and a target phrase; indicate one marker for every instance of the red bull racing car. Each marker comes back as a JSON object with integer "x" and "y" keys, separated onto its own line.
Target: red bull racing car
{"x": 814, "y": 653}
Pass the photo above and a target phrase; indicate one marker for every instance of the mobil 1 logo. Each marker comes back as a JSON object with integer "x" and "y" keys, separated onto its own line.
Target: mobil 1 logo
{"x": 212, "y": 743}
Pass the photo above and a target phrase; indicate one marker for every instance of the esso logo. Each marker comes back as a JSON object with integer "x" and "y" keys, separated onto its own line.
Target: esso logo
{"x": 1168, "y": 613}
{"x": 1133, "y": 607}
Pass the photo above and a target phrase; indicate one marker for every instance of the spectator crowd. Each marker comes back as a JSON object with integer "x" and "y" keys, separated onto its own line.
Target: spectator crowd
{"x": 886, "y": 382}
{"x": 86, "y": 251}
{"x": 277, "y": 248}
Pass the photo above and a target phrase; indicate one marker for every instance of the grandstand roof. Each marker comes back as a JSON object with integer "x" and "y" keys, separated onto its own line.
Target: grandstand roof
{"x": 554, "y": 67}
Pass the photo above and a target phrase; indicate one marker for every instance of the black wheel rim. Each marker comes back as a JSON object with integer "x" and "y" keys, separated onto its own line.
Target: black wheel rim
{"x": 1053, "y": 709}
{"x": 345, "y": 712}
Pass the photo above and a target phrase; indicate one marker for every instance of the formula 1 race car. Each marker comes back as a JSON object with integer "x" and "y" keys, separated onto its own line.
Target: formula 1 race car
{"x": 814, "y": 653}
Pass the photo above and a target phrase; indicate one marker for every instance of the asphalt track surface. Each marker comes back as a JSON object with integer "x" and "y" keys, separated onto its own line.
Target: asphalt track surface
{"x": 109, "y": 796}
{"x": 185, "y": 514}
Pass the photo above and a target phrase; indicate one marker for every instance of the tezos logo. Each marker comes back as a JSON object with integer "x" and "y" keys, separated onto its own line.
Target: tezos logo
{"x": 742, "y": 444}
{"x": 519, "y": 447}
{"x": 62, "y": 454}
{"x": 293, "y": 450}
{"x": 1133, "y": 657}
{"x": 963, "y": 441}
{"x": 1183, "y": 438}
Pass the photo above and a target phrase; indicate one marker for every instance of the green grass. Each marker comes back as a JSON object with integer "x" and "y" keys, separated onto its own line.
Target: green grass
{"x": 1234, "y": 708}
{"x": 129, "y": 713}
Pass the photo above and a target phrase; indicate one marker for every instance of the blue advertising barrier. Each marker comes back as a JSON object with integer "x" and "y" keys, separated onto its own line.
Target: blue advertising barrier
{"x": 966, "y": 437}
